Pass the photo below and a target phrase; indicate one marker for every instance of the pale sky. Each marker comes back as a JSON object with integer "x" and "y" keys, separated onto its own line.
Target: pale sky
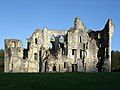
{"x": 20, "y": 18}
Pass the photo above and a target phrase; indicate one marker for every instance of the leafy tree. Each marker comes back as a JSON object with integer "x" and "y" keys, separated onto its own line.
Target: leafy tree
{"x": 1, "y": 54}
{"x": 115, "y": 58}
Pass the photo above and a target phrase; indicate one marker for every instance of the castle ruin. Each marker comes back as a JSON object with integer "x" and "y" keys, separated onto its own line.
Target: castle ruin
{"x": 77, "y": 49}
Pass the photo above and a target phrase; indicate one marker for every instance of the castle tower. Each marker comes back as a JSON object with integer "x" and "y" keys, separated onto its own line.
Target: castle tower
{"x": 110, "y": 32}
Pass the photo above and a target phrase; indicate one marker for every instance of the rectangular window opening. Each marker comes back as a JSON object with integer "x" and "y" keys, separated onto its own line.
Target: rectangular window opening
{"x": 73, "y": 51}
{"x": 35, "y": 56}
{"x": 80, "y": 39}
{"x": 36, "y": 41}
{"x": 63, "y": 51}
{"x": 80, "y": 53}
{"x": 65, "y": 64}
{"x": 87, "y": 45}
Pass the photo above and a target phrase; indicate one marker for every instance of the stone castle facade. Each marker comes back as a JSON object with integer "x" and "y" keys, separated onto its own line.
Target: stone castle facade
{"x": 77, "y": 49}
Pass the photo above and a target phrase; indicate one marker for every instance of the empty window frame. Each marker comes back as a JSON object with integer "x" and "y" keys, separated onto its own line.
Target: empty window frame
{"x": 80, "y": 39}
{"x": 36, "y": 41}
{"x": 73, "y": 51}
{"x": 65, "y": 64}
{"x": 35, "y": 56}
{"x": 84, "y": 46}
{"x": 81, "y": 53}
{"x": 87, "y": 45}
{"x": 63, "y": 51}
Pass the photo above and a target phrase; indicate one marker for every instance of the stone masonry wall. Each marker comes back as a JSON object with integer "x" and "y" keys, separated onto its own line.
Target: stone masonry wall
{"x": 78, "y": 49}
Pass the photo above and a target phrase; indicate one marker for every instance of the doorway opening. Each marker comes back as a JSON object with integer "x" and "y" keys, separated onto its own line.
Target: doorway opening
{"x": 54, "y": 68}
{"x": 74, "y": 67}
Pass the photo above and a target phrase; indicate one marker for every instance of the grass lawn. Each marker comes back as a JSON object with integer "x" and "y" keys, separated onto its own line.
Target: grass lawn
{"x": 60, "y": 81}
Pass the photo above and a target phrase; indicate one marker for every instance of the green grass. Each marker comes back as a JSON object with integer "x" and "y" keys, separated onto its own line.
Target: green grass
{"x": 60, "y": 81}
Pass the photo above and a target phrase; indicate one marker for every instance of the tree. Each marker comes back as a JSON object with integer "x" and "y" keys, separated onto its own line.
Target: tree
{"x": 115, "y": 60}
{"x": 1, "y": 54}
{"x": 1, "y": 59}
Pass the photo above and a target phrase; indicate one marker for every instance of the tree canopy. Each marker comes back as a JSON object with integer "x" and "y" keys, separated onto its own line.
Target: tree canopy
{"x": 1, "y": 54}
{"x": 115, "y": 60}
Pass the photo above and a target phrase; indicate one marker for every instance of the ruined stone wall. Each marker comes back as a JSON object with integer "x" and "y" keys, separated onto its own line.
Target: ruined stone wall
{"x": 78, "y": 49}
{"x": 84, "y": 46}
{"x": 13, "y": 55}
{"x": 41, "y": 40}
{"x": 108, "y": 32}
